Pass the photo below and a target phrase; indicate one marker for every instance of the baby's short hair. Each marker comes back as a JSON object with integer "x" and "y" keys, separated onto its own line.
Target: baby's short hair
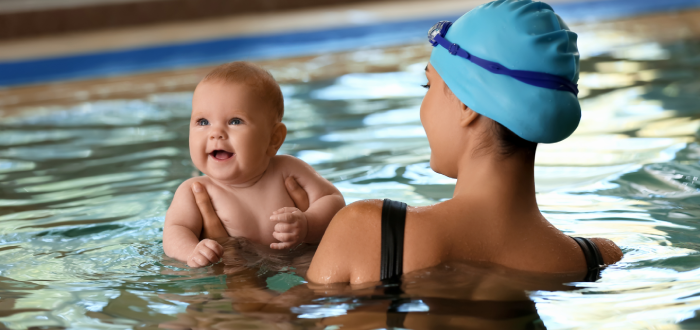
{"x": 254, "y": 76}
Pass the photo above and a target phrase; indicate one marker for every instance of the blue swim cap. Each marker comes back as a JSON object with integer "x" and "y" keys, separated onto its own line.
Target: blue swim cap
{"x": 519, "y": 35}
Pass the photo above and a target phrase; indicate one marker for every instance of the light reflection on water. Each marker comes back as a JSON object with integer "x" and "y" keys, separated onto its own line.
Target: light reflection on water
{"x": 83, "y": 191}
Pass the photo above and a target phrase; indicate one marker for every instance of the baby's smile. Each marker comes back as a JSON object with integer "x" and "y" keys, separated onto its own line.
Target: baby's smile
{"x": 221, "y": 154}
{"x": 231, "y": 131}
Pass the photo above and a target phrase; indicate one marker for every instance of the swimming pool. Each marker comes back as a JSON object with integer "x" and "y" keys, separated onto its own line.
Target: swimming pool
{"x": 84, "y": 187}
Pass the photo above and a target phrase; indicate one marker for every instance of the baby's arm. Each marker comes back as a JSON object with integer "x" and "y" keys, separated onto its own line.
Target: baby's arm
{"x": 324, "y": 201}
{"x": 183, "y": 225}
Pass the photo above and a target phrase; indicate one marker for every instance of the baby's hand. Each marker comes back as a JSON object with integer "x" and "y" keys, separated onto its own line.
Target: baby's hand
{"x": 290, "y": 229}
{"x": 206, "y": 252}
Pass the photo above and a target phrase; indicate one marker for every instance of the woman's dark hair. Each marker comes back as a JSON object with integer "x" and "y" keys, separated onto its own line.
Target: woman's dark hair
{"x": 510, "y": 144}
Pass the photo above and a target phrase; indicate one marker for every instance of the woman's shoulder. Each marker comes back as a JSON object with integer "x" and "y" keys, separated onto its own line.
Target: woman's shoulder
{"x": 355, "y": 219}
{"x": 608, "y": 249}
{"x": 361, "y": 209}
{"x": 350, "y": 248}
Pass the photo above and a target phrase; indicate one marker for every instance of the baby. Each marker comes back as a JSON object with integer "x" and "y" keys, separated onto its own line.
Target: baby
{"x": 235, "y": 132}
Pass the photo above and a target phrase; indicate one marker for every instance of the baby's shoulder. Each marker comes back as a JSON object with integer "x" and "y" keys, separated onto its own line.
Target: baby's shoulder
{"x": 183, "y": 205}
{"x": 287, "y": 160}
{"x": 184, "y": 191}
{"x": 187, "y": 184}
{"x": 287, "y": 165}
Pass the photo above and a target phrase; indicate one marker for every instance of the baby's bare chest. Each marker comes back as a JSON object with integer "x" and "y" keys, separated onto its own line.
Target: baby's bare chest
{"x": 246, "y": 212}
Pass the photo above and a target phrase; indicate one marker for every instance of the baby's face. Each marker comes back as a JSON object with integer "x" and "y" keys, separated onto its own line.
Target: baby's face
{"x": 230, "y": 132}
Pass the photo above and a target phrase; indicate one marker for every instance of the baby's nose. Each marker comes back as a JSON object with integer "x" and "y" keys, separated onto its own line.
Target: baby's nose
{"x": 217, "y": 136}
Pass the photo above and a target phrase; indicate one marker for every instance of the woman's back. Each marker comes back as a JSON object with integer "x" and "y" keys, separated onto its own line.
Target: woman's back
{"x": 492, "y": 217}
{"x": 448, "y": 231}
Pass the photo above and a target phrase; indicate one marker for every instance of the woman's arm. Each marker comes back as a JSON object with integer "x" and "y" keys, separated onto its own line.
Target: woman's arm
{"x": 183, "y": 225}
{"x": 350, "y": 248}
{"x": 323, "y": 197}
{"x": 211, "y": 224}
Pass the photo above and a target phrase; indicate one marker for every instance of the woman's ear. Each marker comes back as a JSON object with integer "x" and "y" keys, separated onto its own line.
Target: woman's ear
{"x": 467, "y": 116}
{"x": 279, "y": 133}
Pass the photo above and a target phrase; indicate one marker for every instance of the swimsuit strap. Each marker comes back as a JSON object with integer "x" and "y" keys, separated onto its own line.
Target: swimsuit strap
{"x": 393, "y": 225}
{"x": 594, "y": 260}
{"x": 395, "y": 318}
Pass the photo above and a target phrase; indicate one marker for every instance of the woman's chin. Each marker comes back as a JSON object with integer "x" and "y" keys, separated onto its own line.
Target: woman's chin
{"x": 440, "y": 170}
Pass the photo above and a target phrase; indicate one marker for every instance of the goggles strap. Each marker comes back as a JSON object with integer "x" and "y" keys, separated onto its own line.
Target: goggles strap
{"x": 539, "y": 79}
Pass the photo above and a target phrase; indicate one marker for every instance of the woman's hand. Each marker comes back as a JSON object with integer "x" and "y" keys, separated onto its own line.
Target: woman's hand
{"x": 211, "y": 224}
{"x": 297, "y": 193}
{"x": 291, "y": 227}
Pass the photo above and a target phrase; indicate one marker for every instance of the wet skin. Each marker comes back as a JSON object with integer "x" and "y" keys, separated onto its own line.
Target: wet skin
{"x": 492, "y": 218}
{"x": 233, "y": 141}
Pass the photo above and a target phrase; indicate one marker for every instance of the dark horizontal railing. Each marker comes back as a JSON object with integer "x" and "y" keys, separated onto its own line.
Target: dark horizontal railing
{"x": 52, "y": 21}
{"x": 280, "y": 45}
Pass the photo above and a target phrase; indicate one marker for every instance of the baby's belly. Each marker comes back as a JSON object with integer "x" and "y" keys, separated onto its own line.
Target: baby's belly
{"x": 262, "y": 235}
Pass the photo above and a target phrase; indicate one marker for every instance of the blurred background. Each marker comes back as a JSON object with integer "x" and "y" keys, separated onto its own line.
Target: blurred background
{"x": 66, "y": 50}
{"x": 94, "y": 107}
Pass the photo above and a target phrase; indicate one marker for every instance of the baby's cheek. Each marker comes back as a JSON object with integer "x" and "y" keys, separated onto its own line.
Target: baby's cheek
{"x": 199, "y": 163}
{"x": 197, "y": 152}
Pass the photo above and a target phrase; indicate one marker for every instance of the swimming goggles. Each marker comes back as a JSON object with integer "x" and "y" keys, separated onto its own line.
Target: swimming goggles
{"x": 436, "y": 36}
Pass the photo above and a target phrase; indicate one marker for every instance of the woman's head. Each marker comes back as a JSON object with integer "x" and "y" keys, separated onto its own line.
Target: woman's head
{"x": 511, "y": 66}
{"x": 453, "y": 129}
{"x": 495, "y": 59}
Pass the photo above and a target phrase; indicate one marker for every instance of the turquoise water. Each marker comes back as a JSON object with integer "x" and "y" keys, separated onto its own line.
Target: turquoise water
{"x": 84, "y": 188}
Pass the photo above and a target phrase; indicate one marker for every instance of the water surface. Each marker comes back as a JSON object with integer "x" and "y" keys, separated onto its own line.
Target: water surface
{"x": 84, "y": 188}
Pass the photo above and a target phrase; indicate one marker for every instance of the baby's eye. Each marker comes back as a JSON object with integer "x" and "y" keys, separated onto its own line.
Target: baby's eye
{"x": 235, "y": 121}
{"x": 426, "y": 86}
{"x": 202, "y": 122}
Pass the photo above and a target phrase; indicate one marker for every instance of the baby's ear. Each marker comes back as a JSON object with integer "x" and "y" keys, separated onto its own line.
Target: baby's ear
{"x": 279, "y": 133}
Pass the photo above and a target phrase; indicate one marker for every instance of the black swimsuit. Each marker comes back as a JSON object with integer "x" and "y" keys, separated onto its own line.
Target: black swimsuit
{"x": 393, "y": 226}
{"x": 394, "y": 223}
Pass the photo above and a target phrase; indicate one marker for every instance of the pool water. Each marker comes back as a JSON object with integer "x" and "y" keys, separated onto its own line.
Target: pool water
{"x": 84, "y": 188}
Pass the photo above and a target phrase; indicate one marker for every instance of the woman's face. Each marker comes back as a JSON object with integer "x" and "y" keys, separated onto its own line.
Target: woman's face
{"x": 440, "y": 115}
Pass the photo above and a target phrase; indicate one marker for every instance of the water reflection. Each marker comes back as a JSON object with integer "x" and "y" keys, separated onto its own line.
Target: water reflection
{"x": 83, "y": 191}
{"x": 450, "y": 296}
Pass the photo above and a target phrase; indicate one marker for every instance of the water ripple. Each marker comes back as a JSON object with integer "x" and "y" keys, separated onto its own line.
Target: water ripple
{"x": 84, "y": 188}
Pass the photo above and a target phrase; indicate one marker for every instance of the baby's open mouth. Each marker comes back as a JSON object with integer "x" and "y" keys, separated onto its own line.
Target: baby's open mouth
{"x": 221, "y": 154}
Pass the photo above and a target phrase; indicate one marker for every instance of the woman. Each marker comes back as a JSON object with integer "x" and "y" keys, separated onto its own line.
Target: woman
{"x": 500, "y": 80}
